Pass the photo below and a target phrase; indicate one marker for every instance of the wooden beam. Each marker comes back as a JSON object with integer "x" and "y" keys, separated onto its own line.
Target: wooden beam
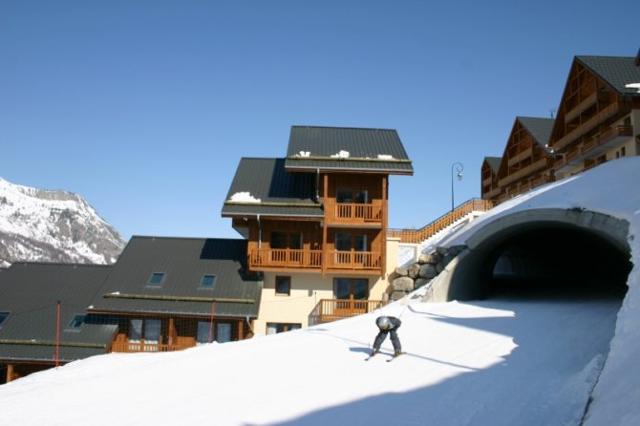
{"x": 325, "y": 195}
{"x": 9, "y": 372}
{"x": 240, "y": 330}
{"x": 385, "y": 225}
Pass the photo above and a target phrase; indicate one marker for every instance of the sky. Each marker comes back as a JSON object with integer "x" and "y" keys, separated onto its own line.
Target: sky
{"x": 145, "y": 108}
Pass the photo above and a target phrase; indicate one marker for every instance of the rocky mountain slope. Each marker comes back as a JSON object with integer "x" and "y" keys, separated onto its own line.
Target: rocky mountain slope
{"x": 52, "y": 226}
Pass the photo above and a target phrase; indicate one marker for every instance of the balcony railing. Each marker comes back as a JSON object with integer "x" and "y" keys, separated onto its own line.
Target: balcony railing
{"x": 335, "y": 309}
{"x": 285, "y": 258}
{"x": 352, "y": 259}
{"x": 122, "y": 344}
{"x": 594, "y": 146}
{"x": 353, "y": 213}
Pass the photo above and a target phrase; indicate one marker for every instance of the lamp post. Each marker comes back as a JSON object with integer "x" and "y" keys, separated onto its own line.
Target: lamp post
{"x": 458, "y": 167}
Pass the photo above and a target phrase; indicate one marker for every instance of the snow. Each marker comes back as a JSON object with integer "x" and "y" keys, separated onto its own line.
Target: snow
{"x": 385, "y": 157}
{"x": 505, "y": 361}
{"x": 633, "y": 86}
{"x": 244, "y": 197}
{"x": 341, "y": 154}
{"x": 304, "y": 154}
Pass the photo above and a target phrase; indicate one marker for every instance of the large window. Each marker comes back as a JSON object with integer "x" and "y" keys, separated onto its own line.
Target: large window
{"x": 3, "y": 317}
{"x": 77, "y": 321}
{"x": 345, "y": 241}
{"x": 348, "y": 195}
{"x": 280, "y": 327}
{"x": 284, "y": 240}
{"x": 148, "y": 329}
{"x": 222, "y": 332}
{"x": 203, "y": 331}
{"x": 345, "y": 288}
{"x": 283, "y": 285}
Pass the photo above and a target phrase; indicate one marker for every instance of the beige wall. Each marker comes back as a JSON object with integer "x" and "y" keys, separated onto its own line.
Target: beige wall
{"x": 307, "y": 289}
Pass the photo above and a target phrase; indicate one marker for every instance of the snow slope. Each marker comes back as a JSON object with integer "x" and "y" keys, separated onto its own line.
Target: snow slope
{"x": 504, "y": 361}
{"x": 58, "y": 226}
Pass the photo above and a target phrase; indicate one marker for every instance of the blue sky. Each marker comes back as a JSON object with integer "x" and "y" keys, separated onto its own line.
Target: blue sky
{"x": 145, "y": 107}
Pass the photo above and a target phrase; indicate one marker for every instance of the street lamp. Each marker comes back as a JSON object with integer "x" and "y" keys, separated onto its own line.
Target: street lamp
{"x": 458, "y": 167}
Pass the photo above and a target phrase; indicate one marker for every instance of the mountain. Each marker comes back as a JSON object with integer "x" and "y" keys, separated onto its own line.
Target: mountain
{"x": 53, "y": 226}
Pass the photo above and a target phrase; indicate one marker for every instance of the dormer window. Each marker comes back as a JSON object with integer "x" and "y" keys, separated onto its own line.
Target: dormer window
{"x": 156, "y": 279}
{"x": 77, "y": 321}
{"x": 208, "y": 281}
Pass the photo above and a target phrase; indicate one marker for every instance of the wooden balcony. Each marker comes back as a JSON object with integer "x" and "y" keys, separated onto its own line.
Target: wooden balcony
{"x": 284, "y": 258}
{"x": 328, "y": 310}
{"x": 585, "y": 127}
{"x": 354, "y": 260}
{"x": 123, "y": 344}
{"x": 353, "y": 213}
{"x": 593, "y": 147}
{"x": 586, "y": 103}
{"x": 523, "y": 172}
{"x": 520, "y": 156}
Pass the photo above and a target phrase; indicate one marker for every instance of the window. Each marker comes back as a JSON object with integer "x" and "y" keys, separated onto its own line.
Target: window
{"x": 223, "y": 332}
{"x": 345, "y": 288}
{"x": 156, "y": 279}
{"x": 283, "y": 240}
{"x": 135, "y": 329}
{"x": 283, "y": 285}
{"x": 623, "y": 151}
{"x": 343, "y": 241}
{"x": 77, "y": 321}
{"x": 3, "y": 317}
{"x": 280, "y": 327}
{"x": 203, "y": 332}
{"x": 207, "y": 281}
{"x": 344, "y": 195}
{"x": 148, "y": 329}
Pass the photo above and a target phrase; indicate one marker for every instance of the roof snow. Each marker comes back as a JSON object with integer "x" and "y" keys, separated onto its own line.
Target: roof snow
{"x": 304, "y": 154}
{"x": 341, "y": 154}
{"x": 385, "y": 157}
{"x": 633, "y": 86}
{"x": 244, "y": 197}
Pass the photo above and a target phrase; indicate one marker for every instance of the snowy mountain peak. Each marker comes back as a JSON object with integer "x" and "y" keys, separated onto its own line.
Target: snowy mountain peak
{"x": 52, "y": 226}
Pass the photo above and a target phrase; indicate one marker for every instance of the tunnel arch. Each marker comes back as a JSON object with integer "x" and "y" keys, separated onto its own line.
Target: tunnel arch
{"x": 576, "y": 232}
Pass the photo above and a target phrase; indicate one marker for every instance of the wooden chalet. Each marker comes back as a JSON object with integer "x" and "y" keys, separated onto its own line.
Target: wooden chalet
{"x": 317, "y": 218}
{"x": 489, "y": 187}
{"x": 168, "y": 294}
{"x": 34, "y": 333}
{"x": 526, "y": 161}
{"x": 598, "y": 118}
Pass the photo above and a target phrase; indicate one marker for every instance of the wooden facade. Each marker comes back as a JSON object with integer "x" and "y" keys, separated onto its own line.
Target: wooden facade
{"x": 592, "y": 118}
{"x": 350, "y": 238}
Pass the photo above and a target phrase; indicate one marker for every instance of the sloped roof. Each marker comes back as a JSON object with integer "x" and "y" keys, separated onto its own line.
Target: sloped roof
{"x": 184, "y": 261}
{"x": 618, "y": 71}
{"x": 493, "y": 162}
{"x": 370, "y": 150}
{"x": 280, "y": 193}
{"x": 29, "y": 292}
{"x": 540, "y": 128}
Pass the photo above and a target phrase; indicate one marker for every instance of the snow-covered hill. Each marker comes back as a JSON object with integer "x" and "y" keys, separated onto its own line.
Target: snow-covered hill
{"x": 52, "y": 226}
{"x": 511, "y": 360}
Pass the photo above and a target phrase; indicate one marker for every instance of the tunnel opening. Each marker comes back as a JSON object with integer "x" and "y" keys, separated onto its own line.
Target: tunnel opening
{"x": 556, "y": 261}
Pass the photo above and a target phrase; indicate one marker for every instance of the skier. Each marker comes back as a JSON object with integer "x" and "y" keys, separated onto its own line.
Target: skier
{"x": 387, "y": 325}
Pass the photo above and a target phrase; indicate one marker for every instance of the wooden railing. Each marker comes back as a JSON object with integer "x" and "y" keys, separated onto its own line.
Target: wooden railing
{"x": 581, "y": 151}
{"x": 291, "y": 258}
{"x": 354, "y": 260}
{"x": 353, "y": 213}
{"x": 334, "y": 309}
{"x": 418, "y": 235}
{"x": 122, "y": 344}
{"x": 585, "y": 127}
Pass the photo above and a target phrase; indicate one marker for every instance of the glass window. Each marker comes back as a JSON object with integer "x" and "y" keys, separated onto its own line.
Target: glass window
{"x": 152, "y": 330}
{"x": 343, "y": 241}
{"x": 362, "y": 197}
{"x": 3, "y": 317}
{"x": 360, "y": 288}
{"x": 283, "y": 285}
{"x": 344, "y": 288}
{"x": 77, "y": 321}
{"x": 223, "y": 332}
{"x": 360, "y": 243}
{"x": 295, "y": 241}
{"x": 203, "y": 332}
{"x": 208, "y": 281}
{"x": 623, "y": 151}
{"x": 278, "y": 240}
{"x": 156, "y": 279}
{"x": 344, "y": 195}
{"x": 135, "y": 329}
{"x": 280, "y": 327}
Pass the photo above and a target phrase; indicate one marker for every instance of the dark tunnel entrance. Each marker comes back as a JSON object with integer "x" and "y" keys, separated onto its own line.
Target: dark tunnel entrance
{"x": 551, "y": 260}
{"x": 541, "y": 251}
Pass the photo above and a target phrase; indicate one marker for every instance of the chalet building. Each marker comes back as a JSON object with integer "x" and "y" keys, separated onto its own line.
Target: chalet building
{"x": 525, "y": 163}
{"x": 29, "y": 338}
{"x": 599, "y": 114}
{"x": 316, "y": 223}
{"x": 598, "y": 120}
{"x": 168, "y": 294}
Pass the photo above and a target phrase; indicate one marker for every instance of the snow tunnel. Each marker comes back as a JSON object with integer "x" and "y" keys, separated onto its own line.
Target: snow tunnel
{"x": 540, "y": 250}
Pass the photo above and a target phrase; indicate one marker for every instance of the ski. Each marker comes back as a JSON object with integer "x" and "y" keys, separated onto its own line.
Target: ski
{"x": 371, "y": 356}
{"x": 395, "y": 356}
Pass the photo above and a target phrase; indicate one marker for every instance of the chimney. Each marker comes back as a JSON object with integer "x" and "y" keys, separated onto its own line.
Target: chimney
{"x": 638, "y": 58}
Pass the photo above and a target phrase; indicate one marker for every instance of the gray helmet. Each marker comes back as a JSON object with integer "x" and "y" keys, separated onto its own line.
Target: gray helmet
{"x": 383, "y": 323}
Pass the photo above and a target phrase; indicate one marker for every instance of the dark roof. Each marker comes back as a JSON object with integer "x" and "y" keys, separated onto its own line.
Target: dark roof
{"x": 29, "y": 292}
{"x": 618, "y": 71}
{"x": 184, "y": 262}
{"x": 493, "y": 162}
{"x": 280, "y": 193}
{"x": 363, "y": 145}
{"x": 540, "y": 128}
